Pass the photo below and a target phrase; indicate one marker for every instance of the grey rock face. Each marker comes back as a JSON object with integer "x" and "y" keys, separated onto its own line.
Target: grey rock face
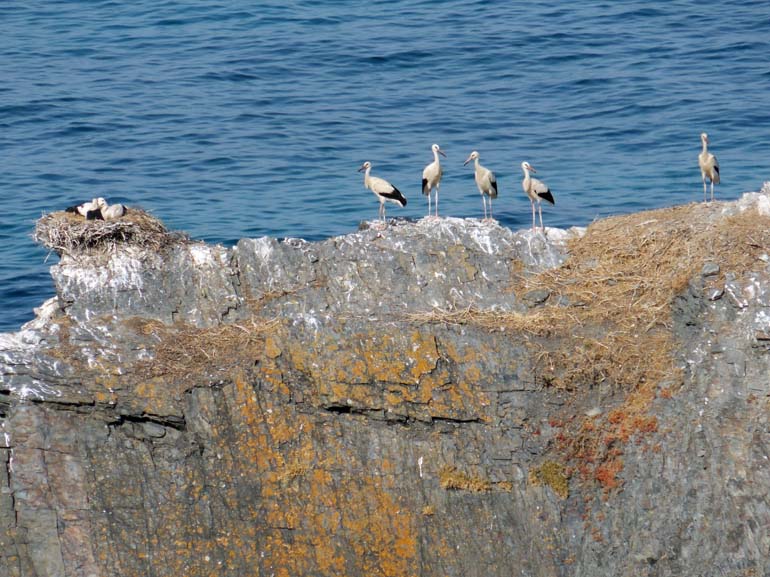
{"x": 293, "y": 408}
{"x": 430, "y": 264}
{"x": 193, "y": 282}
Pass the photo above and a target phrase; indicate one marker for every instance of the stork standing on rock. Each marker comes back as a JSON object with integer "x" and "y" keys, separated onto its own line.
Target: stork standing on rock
{"x": 431, "y": 176}
{"x": 536, "y": 191}
{"x": 709, "y": 166}
{"x": 381, "y": 188}
{"x": 485, "y": 181}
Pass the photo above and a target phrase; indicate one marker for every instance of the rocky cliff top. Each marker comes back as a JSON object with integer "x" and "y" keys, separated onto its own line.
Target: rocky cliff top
{"x": 442, "y": 397}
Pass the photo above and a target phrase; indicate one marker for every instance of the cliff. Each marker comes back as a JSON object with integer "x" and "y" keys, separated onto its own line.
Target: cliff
{"x": 435, "y": 398}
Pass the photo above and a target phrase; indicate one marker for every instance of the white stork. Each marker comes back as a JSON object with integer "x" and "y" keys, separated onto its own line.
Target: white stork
{"x": 431, "y": 176}
{"x": 709, "y": 166}
{"x": 536, "y": 191}
{"x": 382, "y": 189}
{"x": 485, "y": 181}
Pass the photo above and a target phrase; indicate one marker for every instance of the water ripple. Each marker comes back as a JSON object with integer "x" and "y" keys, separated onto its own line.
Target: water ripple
{"x": 234, "y": 122}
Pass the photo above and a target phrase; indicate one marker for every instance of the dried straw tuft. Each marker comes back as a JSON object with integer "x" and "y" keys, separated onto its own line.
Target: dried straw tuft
{"x": 184, "y": 351}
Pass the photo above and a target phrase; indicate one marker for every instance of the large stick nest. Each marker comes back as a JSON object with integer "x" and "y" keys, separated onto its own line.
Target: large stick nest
{"x": 66, "y": 232}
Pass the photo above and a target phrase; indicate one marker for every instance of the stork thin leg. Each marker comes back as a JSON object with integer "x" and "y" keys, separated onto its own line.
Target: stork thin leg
{"x": 705, "y": 198}
{"x": 436, "y": 201}
{"x": 429, "y": 204}
{"x": 712, "y": 191}
{"x": 540, "y": 212}
{"x": 484, "y": 201}
{"x": 534, "y": 223}
{"x": 490, "y": 209}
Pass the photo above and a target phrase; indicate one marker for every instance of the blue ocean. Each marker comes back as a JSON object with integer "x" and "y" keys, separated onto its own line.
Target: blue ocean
{"x": 243, "y": 119}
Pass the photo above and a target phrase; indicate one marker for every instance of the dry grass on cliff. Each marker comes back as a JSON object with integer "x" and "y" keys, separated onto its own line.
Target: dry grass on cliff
{"x": 609, "y": 309}
{"x": 184, "y": 351}
{"x": 610, "y": 305}
{"x": 66, "y": 232}
{"x": 608, "y": 319}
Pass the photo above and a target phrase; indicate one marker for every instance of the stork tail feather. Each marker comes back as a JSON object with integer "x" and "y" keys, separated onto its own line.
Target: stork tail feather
{"x": 547, "y": 196}
{"x": 395, "y": 195}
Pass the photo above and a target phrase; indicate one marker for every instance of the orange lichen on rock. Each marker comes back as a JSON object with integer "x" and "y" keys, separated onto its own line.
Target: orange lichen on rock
{"x": 366, "y": 357}
{"x": 396, "y": 371}
{"x": 309, "y": 515}
{"x": 607, "y": 474}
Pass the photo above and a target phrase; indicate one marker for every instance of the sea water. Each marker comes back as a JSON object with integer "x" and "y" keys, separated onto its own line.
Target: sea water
{"x": 243, "y": 119}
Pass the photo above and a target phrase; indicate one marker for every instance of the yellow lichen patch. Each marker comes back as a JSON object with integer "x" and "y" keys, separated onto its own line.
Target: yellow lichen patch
{"x": 398, "y": 372}
{"x": 451, "y": 478}
{"x": 353, "y": 395}
{"x": 504, "y": 486}
{"x": 462, "y": 400}
{"x": 366, "y": 357}
{"x": 106, "y": 393}
{"x": 455, "y": 350}
{"x": 152, "y": 397}
{"x": 424, "y": 355}
{"x": 291, "y": 471}
{"x": 377, "y": 353}
{"x": 553, "y": 475}
{"x": 309, "y": 516}
{"x": 385, "y": 530}
{"x": 464, "y": 270}
{"x": 322, "y": 359}
{"x": 272, "y": 350}
{"x": 318, "y": 514}
{"x": 431, "y": 383}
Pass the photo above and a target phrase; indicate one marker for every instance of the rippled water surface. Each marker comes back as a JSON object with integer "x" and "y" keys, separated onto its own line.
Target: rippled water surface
{"x": 235, "y": 119}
